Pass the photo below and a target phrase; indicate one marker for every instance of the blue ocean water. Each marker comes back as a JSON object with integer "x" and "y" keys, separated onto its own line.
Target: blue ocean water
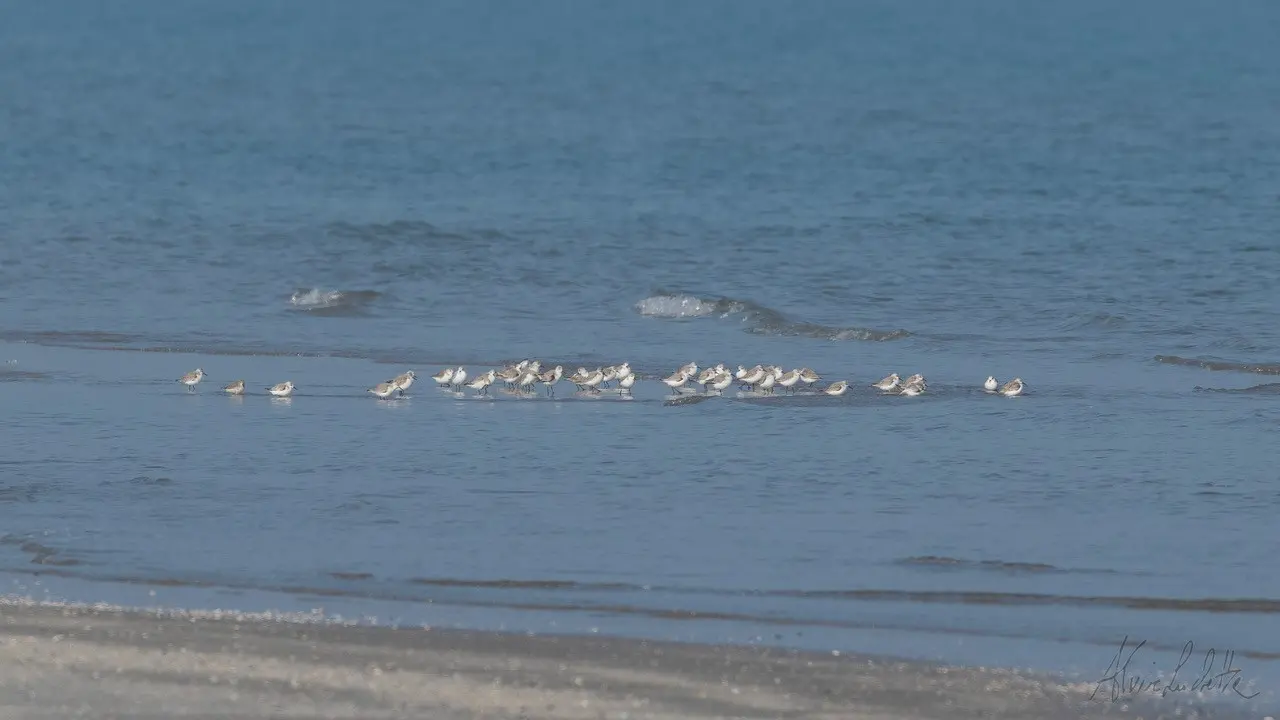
{"x": 1084, "y": 195}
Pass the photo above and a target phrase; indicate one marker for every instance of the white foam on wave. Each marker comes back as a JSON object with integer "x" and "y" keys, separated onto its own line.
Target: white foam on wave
{"x": 675, "y": 306}
{"x": 316, "y": 298}
{"x": 316, "y": 616}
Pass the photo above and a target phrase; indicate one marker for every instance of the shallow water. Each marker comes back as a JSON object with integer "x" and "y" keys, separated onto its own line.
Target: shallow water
{"x": 1086, "y": 198}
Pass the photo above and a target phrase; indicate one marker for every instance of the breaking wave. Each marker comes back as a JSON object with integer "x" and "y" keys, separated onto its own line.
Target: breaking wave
{"x": 332, "y": 302}
{"x": 756, "y": 319}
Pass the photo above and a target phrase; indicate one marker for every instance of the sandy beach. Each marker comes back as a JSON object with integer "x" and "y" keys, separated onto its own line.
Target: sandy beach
{"x": 59, "y": 661}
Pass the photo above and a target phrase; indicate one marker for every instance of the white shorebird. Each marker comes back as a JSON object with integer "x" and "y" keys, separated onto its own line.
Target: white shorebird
{"x": 235, "y": 388}
{"x": 916, "y": 379}
{"x": 689, "y": 370}
{"x": 1013, "y": 388}
{"x": 676, "y": 379}
{"x": 626, "y": 381}
{"x": 551, "y": 377}
{"x": 722, "y": 381}
{"x": 889, "y": 383}
{"x": 911, "y": 390}
{"x": 284, "y": 389}
{"x": 991, "y": 384}
{"x": 384, "y": 390}
{"x": 402, "y": 382}
{"x": 511, "y": 375}
{"x": 192, "y": 378}
{"x": 766, "y": 383}
{"x": 706, "y": 376}
{"x": 526, "y": 381}
{"x": 837, "y": 388}
{"x": 593, "y": 380}
{"x": 808, "y": 376}
{"x": 481, "y": 384}
{"x": 610, "y": 374}
{"x": 789, "y": 379}
{"x": 753, "y": 377}
{"x": 444, "y": 377}
{"x": 459, "y": 377}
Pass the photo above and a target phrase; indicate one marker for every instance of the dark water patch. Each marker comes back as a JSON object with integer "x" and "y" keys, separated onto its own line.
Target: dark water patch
{"x": 945, "y": 562}
{"x": 692, "y": 399}
{"x": 512, "y": 584}
{"x": 212, "y": 345}
{"x": 756, "y": 319}
{"x": 950, "y": 562}
{"x": 1102, "y": 321}
{"x": 351, "y": 575}
{"x": 1214, "y": 605}
{"x": 20, "y": 492}
{"x": 8, "y": 374}
{"x": 333, "y": 303}
{"x": 40, "y": 553}
{"x": 68, "y": 338}
{"x": 399, "y": 233}
{"x": 1220, "y": 365}
{"x": 1263, "y": 389}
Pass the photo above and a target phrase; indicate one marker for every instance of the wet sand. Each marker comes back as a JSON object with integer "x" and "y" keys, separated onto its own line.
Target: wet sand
{"x": 60, "y": 661}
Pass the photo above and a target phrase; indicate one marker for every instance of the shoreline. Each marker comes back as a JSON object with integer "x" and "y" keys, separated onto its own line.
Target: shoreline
{"x": 79, "y": 660}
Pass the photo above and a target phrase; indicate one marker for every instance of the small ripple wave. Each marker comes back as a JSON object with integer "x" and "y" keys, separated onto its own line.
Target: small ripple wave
{"x": 340, "y": 303}
{"x": 756, "y": 319}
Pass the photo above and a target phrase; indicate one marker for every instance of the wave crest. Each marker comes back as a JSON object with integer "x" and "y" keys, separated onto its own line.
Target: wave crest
{"x": 757, "y": 319}
{"x": 332, "y": 302}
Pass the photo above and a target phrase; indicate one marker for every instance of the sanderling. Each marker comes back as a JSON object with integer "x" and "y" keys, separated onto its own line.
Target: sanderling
{"x": 753, "y": 376}
{"x": 402, "y": 382}
{"x": 551, "y": 377}
{"x": 626, "y": 381}
{"x": 705, "y": 376}
{"x": 444, "y": 377}
{"x": 766, "y": 384}
{"x": 914, "y": 380}
{"x": 837, "y": 388}
{"x": 911, "y": 390}
{"x": 481, "y": 384}
{"x": 690, "y": 370}
{"x": 624, "y": 370}
{"x": 526, "y": 381}
{"x": 459, "y": 377}
{"x": 235, "y": 388}
{"x": 510, "y": 376}
{"x": 610, "y": 374}
{"x": 888, "y": 383}
{"x": 808, "y": 376}
{"x": 991, "y": 384}
{"x": 284, "y": 389}
{"x": 192, "y": 378}
{"x": 722, "y": 381}
{"x": 789, "y": 379}
{"x": 676, "y": 379}
{"x": 593, "y": 379}
{"x": 579, "y": 378}
{"x": 1013, "y": 388}
{"x": 384, "y": 390}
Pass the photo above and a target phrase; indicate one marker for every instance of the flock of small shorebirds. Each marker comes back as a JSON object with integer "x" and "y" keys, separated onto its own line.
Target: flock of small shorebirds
{"x": 521, "y": 378}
